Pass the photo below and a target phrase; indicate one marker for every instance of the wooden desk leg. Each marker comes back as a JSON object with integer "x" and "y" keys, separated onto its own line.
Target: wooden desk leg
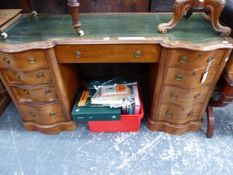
{"x": 74, "y": 10}
{"x": 210, "y": 121}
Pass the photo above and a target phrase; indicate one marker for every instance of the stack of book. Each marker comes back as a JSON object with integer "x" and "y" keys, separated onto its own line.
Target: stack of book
{"x": 106, "y": 102}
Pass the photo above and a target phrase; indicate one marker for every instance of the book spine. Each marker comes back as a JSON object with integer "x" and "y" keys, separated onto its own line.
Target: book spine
{"x": 137, "y": 105}
{"x": 96, "y": 118}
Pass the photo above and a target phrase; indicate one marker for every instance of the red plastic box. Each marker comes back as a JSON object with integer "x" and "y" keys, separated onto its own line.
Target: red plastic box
{"x": 128, "y": 123}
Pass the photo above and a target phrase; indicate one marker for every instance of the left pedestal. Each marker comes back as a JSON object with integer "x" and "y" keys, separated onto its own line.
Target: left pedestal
{"x": 34, "y": 82}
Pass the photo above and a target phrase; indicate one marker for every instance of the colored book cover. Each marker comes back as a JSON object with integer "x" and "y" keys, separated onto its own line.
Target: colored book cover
{"x": 84, "y": 111}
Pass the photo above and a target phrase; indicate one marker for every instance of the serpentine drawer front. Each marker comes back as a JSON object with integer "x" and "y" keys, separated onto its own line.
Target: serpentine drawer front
{"x": 40, "y": 93}
{"x": 176, "y": 95}
{"x": 189, "y": 79}
{"x": 108, "y": 53}
{"x": 42, "y": 114}
{"x": 179, "y": 114}
{"x": 188, "y": 60}
{"x": 41, "y": 76}
{"x": 25, "y": 61}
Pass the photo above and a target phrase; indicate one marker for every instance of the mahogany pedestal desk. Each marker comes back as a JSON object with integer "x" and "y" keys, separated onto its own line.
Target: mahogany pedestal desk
{"x": 40, "y": 61}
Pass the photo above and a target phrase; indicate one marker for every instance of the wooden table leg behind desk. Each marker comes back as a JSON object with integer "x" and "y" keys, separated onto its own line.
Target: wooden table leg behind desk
{"x": 74, "y": 10}
{"x": 210, "y": 121}
{"x": 225, "y": 85}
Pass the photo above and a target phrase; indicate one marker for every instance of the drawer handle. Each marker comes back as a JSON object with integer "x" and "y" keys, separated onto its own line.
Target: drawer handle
{"x": 138, "y": 54}
{"x": 169, "y": 114}
{"x": 179, "y": 77}
{"x": 197, "y": 95}
{"x": 190, "y": 114}
{"x": 31, "y": 60}
{"x": 32, "y": 114}
{"x": 184, "y": 59}
{"x": 26, "y": 91}
{"x": 52, "y": 114}
{"x": 18, "y": 76}
{"x": 174, "y": 96}
{"x": 78, "y": 54}
{"x": 210, "y": 59}
{"x": 6, "y": 60}
{"x": 48, "y": 91}
{"x": 40, "y": 75}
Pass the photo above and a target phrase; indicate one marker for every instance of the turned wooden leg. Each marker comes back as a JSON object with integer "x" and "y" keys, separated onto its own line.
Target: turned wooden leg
{"x": 34, "y": 12}
{"x": 216, "y": 8}
{"x": 210, "y": 121}
{"x": 74, "y": 10}
{"x": 181, "y": 7}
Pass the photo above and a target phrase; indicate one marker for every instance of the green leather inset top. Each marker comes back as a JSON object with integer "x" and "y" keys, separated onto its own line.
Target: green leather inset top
{"x": 43, "y": 27}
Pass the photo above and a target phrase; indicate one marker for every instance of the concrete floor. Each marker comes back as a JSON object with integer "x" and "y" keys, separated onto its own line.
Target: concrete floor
{"x": 144, "y": 153}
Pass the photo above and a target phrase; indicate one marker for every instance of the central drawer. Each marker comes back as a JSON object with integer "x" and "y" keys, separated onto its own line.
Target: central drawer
{"x": 108, "y": 53}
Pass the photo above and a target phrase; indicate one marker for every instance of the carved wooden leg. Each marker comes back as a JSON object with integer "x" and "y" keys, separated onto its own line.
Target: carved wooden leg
{"x": 181, "y": 7}
{"x": 216, "y": 8}
{"x": 186, "y": 7}
{"x": 210, "y": 121}
{"x": 74, "y": 10}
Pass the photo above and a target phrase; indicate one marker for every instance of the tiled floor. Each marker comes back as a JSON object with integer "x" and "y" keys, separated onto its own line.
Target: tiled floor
{"x": 144, "y": 153}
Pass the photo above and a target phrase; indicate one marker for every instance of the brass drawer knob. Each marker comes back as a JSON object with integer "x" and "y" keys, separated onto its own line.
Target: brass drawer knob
{"x": 48, "y": 91}
{"x": 210, "y": 59}
{"x": 18, "y": 76}
{"x": 138, "y": 54}
{"x": 52, "y": 114}
{"x": 174, "y": 96}
{"x": 183, "y": 59}
{"x": 32, "y": 60}
{"x": 179, "y": 77}
{"x": 169, "y": 114}
{"x": 6, "y": 60}
{"x": 32, "y": 114}
{"x": 190, "y": 114}
{"x": 197, "y": 95}
{"x": 40, "y": 75}
{"x": 78, "y": 54}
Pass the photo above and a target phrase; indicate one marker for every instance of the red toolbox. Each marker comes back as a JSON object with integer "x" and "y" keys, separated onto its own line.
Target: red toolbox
{"x": 127, "y": 123}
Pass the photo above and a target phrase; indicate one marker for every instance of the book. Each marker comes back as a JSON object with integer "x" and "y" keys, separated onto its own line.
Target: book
{"x": 84, "y": 111}
{"x": 137, "y": 104}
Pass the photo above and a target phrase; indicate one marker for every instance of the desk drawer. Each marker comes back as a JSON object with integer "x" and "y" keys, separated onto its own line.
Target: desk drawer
{"x": 189, "y": 79}
{"x": 24, "y": 61}
{"x": 43, "y": 114}
{"x": 186, "y": 59}
{"x": 42, "y": 93}
{"x": 177, "y": 114}
{"x": 33, "y": 77}
{"x": 182, "y": 96}
{"x": 107, "y": 53}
